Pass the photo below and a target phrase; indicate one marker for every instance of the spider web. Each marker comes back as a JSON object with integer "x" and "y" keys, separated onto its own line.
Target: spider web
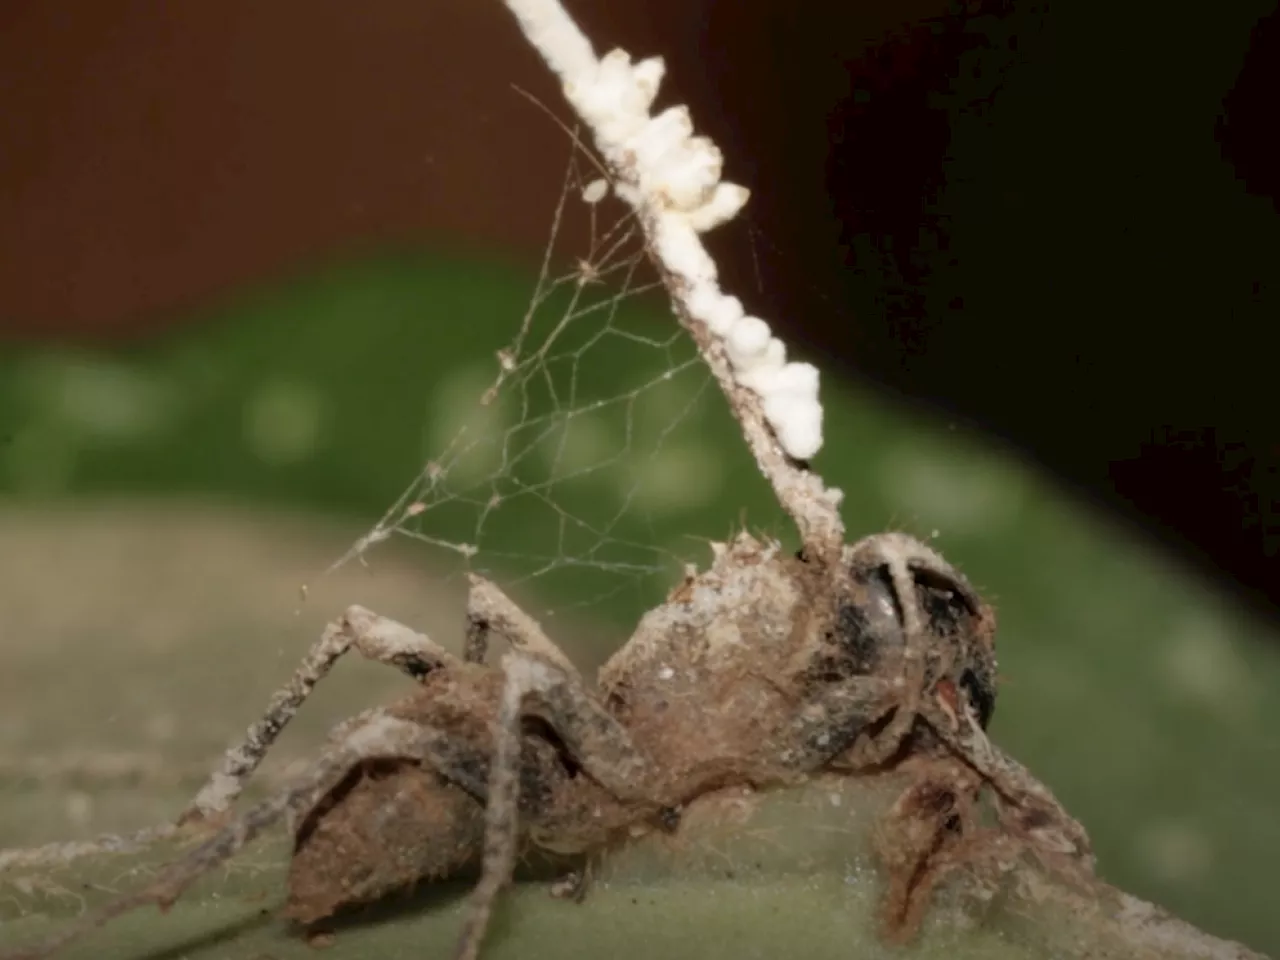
{"x": 578, "y": 456}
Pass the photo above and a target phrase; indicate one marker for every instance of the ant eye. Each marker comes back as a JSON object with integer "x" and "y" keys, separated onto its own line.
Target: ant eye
{"x": 954, "y": 610}
{"x": 948, "y": 605}
{"x": 868, "y": 622}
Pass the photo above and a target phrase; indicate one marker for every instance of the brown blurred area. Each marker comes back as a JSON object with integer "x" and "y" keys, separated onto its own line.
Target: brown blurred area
{"x": 154, "y": 155}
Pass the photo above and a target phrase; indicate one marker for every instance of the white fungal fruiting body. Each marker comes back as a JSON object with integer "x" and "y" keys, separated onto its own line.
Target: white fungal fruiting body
{"x": 595, "y": 191}
{"x": 671, "y": 178}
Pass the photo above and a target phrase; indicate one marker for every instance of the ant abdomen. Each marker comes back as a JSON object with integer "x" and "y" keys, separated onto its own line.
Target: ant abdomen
{"x": 388, "y": 825}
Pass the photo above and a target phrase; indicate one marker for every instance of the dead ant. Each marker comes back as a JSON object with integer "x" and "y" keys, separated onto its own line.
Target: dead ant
{"x": 759, "y": 671}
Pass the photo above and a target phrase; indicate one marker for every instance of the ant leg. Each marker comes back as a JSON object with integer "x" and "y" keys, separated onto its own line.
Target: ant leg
{"x": 374, "y": 637}
{"x": 595, "y": 739}
{"x": 592, "y": 735}
{"x": 383, "y": 736}
{"x": 1038, "y": 816}
{"x": 489, "y": 611}
{"x": 835, "y": 720}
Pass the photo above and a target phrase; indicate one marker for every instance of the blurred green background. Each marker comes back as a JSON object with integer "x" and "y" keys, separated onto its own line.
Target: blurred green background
{"x": 163, "y": 505}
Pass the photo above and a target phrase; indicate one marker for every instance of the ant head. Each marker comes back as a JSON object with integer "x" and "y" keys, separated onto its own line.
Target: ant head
{"x": 958, "y": 627}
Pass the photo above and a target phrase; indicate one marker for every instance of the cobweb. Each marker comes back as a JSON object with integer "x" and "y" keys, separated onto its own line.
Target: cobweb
{"x": 581, "y": 463}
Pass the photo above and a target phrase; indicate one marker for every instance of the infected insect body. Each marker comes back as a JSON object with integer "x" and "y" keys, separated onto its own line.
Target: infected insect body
{"x": 761, "y": 670}
{"x": 753, "y": 672}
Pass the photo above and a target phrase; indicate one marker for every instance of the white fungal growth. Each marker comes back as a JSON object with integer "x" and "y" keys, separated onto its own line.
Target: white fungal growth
{"x": 671, "y": 178}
